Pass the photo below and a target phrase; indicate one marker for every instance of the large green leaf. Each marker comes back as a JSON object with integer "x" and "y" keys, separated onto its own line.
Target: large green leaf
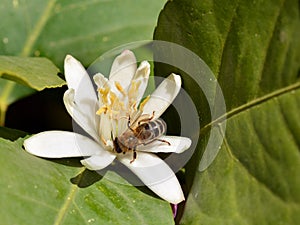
{"x": 253, "y": 47}
{"x": 38, "y": 191}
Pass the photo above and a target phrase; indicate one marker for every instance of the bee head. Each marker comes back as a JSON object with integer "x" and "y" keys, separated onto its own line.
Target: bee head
{"x": 117, "y": 146}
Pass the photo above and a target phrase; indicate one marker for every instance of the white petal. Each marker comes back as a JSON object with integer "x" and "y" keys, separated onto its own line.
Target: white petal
{"x": 98, "y": 162}
{"x": 106, "y": 127}
{"x": 142, "y": 75}
{"x": 87, "y": 123}
{"x": 177, "y": 145}
{"x": 85, "y": 96}
{"x": 163, "y": 95}
{"x": 76, "y": 75}
{"x": 156, "y": 174}
{"x": 100, "y": 80}
{"x": 123, "y": 68}
{"x": 61, "y": 144}
{"x": 169, "y": 190}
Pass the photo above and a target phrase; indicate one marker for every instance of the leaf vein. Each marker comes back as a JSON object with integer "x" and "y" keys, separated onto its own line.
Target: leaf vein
{"x": 287, "y": 126}
{"x": 31, "y": 39}
{"x": 268, "y": 45}
{"x": 129, "y": 204}
{"x": 68, "y": 200}
{"x": 255, "y": 179}
{"x": 85, "y": 37}
{"x": 251, "y": 104}
{"x": 33, "y": 200}
{"x": 82, "y": 4}
{"x": 80, "y": 213}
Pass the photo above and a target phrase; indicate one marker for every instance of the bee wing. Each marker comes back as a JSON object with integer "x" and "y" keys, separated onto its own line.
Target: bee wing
{"x": 139, "y": 119}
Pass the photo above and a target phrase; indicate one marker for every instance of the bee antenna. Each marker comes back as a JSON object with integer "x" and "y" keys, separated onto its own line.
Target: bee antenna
{"x": 112, "y": 136}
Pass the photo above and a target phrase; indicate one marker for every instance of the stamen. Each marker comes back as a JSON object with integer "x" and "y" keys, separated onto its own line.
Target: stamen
{"x": 119, "y": 87}
{"x": 143, "y": 103}
{"x": 134, "y": 105}
{"x": 104, "y": 93}
{"x": 134, "y": 88}
{"x": 112, "y": 97}
{"x": 103, "y": 140}
{"x": 103, "y": 109}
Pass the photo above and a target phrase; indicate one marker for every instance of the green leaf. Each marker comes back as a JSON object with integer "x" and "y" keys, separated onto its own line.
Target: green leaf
{"x": 31, "y": 72}
{"x": 11, "y": 134}
{"x": 39, "y": 191}
{"x": 85, "y": 29}
{"x": 253, "y": 48}
{"x": 35, "y": 72}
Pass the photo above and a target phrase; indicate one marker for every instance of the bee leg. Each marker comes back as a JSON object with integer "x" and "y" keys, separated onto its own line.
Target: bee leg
{"x": 134, "y": 156}
{"x": 128, "y": 122}
{"x": 146, "y": 120}
{"x": 161, "y": 140}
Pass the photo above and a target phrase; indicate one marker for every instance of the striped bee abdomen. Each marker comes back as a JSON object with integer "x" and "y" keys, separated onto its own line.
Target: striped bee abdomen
{"x": 151, "y": 130}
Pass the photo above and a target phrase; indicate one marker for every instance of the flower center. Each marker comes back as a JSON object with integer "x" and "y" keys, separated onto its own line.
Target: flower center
{"x": 117, "y": 105}
{"x": 118, "y": 102}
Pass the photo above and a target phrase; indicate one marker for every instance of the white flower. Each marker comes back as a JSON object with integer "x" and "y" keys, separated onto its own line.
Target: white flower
{"x": 106, "y": 116}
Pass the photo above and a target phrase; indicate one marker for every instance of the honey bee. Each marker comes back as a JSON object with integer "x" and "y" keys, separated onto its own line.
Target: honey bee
{"x": 143, "y": 131}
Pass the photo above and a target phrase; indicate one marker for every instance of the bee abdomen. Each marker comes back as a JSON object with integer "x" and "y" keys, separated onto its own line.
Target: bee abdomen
{"x": 154, "y": 129}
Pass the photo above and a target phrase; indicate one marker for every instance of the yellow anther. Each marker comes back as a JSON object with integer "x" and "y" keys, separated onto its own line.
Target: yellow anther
{"x": 103, "y": 109}
{"x": 104, "y": 92}
{"x": 112, "y": 97}
{"x": 119, "y": 87}
{"x": 143, "y": 103}
{"x": 133, "y": 91}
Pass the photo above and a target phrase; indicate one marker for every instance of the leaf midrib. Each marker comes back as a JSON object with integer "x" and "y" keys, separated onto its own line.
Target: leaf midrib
{"x": 67, "y": 202}
{"x": 251, "y": 104}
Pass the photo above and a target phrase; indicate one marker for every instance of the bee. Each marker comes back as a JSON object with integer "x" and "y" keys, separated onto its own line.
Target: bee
{"x": 143, "y": 131}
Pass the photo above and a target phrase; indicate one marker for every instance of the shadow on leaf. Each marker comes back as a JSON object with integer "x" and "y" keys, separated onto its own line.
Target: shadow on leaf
{"x": 86, "y": 178}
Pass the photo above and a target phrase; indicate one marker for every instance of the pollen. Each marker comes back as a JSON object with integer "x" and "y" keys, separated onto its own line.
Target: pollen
{"x": 133, "y": 91}
{"x": 112, "y": 97}
{"x": 103, "y": 109}
{"x": 103, "y": 140}
{"x": 119, "y": 87}
{"x": 143, "y": 103}
{"x": 104, "y": 93}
